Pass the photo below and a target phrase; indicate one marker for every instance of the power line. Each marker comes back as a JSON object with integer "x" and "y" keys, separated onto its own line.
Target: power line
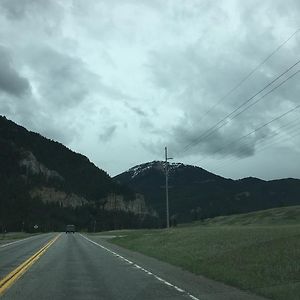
{"x": 266, "y": 94}
{"x": 259, "y": 128}
{"x": 276, "y": 134}
{"x": 215, "y": 127}
{"x": 256, "y": 129}
{"x": 267, "y": 145}
{"x": 279, "y": 138}
{"x": 270, "y": 138}
{"x": 249, "y": 74}
{"x": 285, "y": 138}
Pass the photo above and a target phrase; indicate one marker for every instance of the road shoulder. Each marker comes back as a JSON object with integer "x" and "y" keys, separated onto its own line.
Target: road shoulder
{"x": 200, "y": 286}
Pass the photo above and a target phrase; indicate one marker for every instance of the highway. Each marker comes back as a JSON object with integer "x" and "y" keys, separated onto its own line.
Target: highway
{"x": 75, "y": 266}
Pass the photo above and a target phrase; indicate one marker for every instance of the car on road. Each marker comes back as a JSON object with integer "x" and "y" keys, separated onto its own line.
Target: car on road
{"x": 70, "y": 228}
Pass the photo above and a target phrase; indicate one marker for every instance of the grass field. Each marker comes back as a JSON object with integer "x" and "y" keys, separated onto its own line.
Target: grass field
{"x": 274, "y": 216}
{"x": 259, "y": 252}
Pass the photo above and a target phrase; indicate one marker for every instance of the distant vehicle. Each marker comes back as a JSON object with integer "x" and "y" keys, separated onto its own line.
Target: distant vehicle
{"x": 70, "y": 228}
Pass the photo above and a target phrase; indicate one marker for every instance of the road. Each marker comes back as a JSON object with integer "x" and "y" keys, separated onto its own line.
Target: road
{"x": 76, "y": 267}
{"x": 14, "y": 253}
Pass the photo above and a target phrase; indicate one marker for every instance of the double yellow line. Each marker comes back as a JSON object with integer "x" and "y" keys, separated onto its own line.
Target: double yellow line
{"x": 13, "y": 276}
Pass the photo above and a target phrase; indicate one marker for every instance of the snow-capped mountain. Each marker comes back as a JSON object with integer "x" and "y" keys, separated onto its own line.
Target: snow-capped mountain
{"x": 154, "y": 165}
{"x": 196, "y": 193}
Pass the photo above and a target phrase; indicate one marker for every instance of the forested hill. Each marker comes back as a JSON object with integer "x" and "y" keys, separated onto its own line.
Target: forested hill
{"x": 196, "y": 193}
{"x": 78, "y": 173}
{"x": 42, "y": 181}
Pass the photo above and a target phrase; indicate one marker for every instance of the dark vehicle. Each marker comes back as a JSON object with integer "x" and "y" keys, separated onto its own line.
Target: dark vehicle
{"x": 70, "y": 228}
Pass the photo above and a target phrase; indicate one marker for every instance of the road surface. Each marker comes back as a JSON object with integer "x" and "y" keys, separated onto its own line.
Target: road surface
{"x": 73, "y": 266}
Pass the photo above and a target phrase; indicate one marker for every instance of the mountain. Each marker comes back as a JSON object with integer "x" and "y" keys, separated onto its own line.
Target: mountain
{"x": 197, "y": 194}
{"x": 43, "y": 182}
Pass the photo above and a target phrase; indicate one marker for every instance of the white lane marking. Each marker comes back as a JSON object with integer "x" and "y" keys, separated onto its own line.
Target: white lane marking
{"x": 193, "y": 297}
{"x": 142, "y": 269}
{"x": 18, "y": 241}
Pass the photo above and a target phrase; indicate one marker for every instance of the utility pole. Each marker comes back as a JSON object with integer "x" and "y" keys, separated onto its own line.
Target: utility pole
{"x": 167, "y": 185}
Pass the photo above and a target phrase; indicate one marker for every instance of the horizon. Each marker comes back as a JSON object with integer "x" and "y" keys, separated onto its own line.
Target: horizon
{"x": 147, "y": 162}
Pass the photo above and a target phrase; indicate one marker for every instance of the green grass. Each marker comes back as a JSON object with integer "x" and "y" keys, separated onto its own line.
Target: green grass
{"x": 274, "y": 216}
{"x": 264, "y": 259}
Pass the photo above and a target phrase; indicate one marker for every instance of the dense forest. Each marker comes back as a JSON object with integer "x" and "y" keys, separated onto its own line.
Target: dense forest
{"x": 30, "y": 162}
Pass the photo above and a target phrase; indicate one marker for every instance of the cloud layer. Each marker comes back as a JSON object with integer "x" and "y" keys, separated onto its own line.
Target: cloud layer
{"x": 11, "y": 81}
{"x": 119, "y": 80}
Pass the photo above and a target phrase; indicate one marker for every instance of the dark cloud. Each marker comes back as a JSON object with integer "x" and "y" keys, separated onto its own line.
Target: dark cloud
{"x": 137, "y": 110}
{"x": 156, "y": 67}
{"x": 107, "y": 133}
{"x": 16, "y": 10}
{"x": 196, "y": 80}
{"x": 63, "y": 80}
{"x": 66, "y": 81}
{"x": 11, "y": 81}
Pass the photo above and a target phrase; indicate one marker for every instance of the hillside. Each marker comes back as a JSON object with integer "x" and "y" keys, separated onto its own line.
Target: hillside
{"x": 43, "y": 182}
{"x": 198, "y": 194}
{"x": 289, "y": 215}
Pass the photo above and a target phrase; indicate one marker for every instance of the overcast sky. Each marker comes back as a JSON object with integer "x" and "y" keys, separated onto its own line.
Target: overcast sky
{"x": 118, "y": 80}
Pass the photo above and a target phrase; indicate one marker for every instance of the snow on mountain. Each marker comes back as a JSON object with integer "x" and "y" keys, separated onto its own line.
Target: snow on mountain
{"x": 156, "y": 165}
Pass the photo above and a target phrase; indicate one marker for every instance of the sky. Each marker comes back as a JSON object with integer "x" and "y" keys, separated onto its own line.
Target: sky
{"x": 214, "y": 81}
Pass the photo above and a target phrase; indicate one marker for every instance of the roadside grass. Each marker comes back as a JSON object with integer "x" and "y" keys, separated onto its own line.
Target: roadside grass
{"x": 15, "y": 235}
{"x": 263, "y": 259}
{"x": 274, "y": 216}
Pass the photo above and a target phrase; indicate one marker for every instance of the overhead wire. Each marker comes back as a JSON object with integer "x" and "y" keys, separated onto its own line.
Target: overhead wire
{"x": 236, "y": 112}
{"x": 249, "y": 74}
{"x": 289, "y": 126}
{"x": 275, "y": 135}
{"x": 270, "y": 141}
{"x": 240, "y": 83}
{"x": 279, "y": 138}
{"x": 259, "y": 150}
{"x": 231, "y": 116}
{"x": 256, "y": 129}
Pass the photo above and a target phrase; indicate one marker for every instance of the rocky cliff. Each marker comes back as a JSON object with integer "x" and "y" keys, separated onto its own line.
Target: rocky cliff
{"x": 43, "y": 181}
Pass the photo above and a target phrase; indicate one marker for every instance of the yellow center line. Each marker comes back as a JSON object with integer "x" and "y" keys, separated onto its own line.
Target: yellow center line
{"x": 13, "y": 276}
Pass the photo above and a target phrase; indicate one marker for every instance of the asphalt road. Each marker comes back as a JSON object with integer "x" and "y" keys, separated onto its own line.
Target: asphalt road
{"x": 75, "y": 267}
{"x": 13, "y": 253}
